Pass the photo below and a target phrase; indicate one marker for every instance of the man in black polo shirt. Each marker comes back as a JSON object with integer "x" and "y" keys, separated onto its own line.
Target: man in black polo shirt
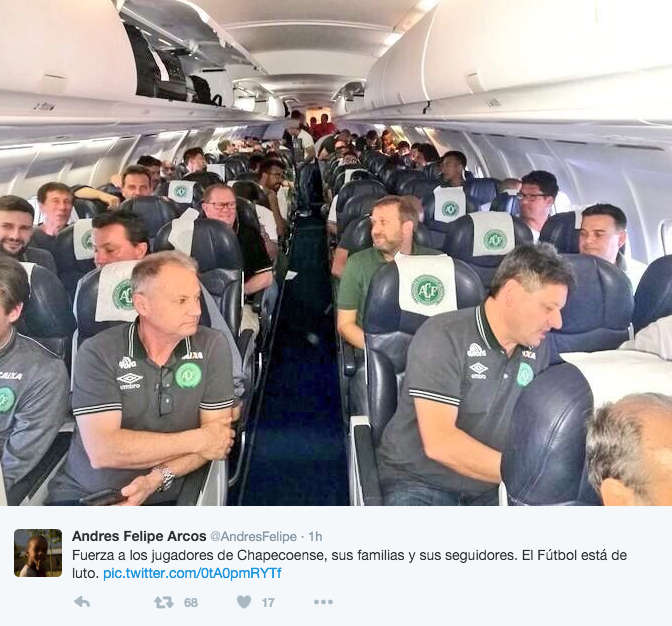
{"x": 55, "y": 201}
{"x": 152, "y": 398}
{"x": 219, "y": 203}
{"x": 465, "y": 372}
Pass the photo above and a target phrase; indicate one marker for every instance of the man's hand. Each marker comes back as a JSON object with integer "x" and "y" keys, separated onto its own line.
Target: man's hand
{"x": 112, "y": 201}
{"x": 218, "y": 439}
{"x": 137, "y": 491}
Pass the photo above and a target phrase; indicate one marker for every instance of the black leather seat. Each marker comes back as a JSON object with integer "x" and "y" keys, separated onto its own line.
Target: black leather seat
{"x": 402, "y": 176}
{"x": 653, "y": 299}
{"x": 506, "y": 203}
{"x": 357, "y": 207}
{"x": 252, "y": 191}
{"x": 598, "y": 311}
{"x": 436, "y": 226}
{"x": 47, "y": 316}
{"x": 459, "y": 243}
{"x": 204, "y": 178}
{"x": 562, "y": 230}
{"x": 544, "y": 455}
{"x": 89, "y": 208}
{"x": 70, "y": 268}
{"x": 154, "y": 211}
{"x": 481, "y": 191}
{"x": 356, "y": 188}
{"x": 179, "y": 192}
{"x": 418, "y": 187}
{"x": 247, "y": 213}
{"x": 357, "y": 174}
{"x": 253, "y": 176}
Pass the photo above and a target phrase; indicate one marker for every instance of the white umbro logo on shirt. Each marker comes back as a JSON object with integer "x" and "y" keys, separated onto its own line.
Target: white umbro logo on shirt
{"x": 130, "y": 378}
{"x": 479, "y": 368}
{"x": 475, "y": 350}
{"x": 127, "y": 363}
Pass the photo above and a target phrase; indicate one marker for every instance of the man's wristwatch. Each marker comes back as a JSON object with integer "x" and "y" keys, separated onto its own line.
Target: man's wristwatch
{"x": 168, "y": 477}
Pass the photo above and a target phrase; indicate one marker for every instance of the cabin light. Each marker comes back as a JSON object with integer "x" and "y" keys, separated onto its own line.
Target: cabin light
{"x": 419, "y": 129}
{"x": 146, "y": 32}
{"x": 426, "y": 5}
{"x": 392, "y": 38}
{"x": 166, "y": 42}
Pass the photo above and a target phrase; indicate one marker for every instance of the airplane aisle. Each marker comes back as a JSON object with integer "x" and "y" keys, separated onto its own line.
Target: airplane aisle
{"x": 298, "y": 447}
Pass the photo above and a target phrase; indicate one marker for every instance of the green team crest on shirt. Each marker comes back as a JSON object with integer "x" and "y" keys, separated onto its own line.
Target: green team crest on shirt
{"x": 180, "y": 191}
{"x": 525, "y": 375}
{"x": 7, "y": 399}
{"x": 450, "y": 208}
{"x": 121, "y": 296}
{"x": 188, "y": 375}
{"x": 427, "y": 289}
{"x": 87, "y": 241}
{"x": 495, "y": 240}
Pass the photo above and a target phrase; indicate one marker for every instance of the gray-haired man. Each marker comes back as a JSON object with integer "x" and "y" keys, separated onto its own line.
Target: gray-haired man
{"x": 152, "y": 398}
{"x": 629, "y": 450}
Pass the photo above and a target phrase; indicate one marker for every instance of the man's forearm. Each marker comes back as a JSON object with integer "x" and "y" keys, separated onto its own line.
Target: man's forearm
{"x": 133, "y": 449}
{"x": 467, "y": 456}
{"x": 353, "y": 334}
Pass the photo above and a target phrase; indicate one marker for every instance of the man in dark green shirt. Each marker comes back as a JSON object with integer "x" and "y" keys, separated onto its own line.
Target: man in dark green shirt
{"x": 393, "y": 222}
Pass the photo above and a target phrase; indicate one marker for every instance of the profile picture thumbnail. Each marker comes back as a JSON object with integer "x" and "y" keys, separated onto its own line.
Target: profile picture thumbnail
{"x": 38, "y": 553}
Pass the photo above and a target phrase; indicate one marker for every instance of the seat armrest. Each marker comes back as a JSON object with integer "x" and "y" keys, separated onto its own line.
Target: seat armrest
{"x": 365, "y": 487}
{"x": 348, "y": 356}
{"x": 256, "y": 301}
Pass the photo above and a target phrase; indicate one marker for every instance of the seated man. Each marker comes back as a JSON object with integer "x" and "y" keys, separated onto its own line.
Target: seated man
{"x": 393, "y": 223}
{"x": 603, "y": 233}
{"x": 465, "y": 371}
{"x": 168, "y": 171}
{"x": 194, "y": 160}
{"x": 153, "y": 165}
{"x": 628, "y": 447}
{"x": 55, "y": 200}
{"x": 123, "y": 236}
{"x": 34, "y": 390}
{"x": 16, "y": 230}
{"x": 453, "y": 164}
{"x": 271, "y": 172}
{"x": 426, "y": 155}
{"x": 135, "y": 181}
{"x": 174, "y": 416}
{"x": 537, "y": 195}
{"x": 219, "y": 203}
{"x": 655, "y": 338}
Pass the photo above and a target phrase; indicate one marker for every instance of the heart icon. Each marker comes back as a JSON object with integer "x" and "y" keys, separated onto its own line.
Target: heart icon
{"x": 244, "y": 601}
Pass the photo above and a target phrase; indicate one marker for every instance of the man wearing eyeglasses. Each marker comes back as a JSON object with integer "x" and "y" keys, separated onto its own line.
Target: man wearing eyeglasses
{"x": 537, "y": 196}
{"x": 153, "y": 399}
{"x": 219, "y": 203}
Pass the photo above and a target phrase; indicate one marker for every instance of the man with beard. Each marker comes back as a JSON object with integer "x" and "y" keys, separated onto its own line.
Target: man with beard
{"x": 16, "y": 231}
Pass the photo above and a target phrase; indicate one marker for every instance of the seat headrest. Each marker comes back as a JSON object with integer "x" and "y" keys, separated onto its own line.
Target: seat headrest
{"x": 48, "y": 312}
{"x": 214, "y": 245}
{"x": 459, "y": 242}
{"x": 247, "y": 213}
{"x": 506, "y": 203}
{"x": 562, "y": 230}
{"x": 426, "y": 284}
{"x": 357, "y": 207}
{"x": 383, "y": 314}
{"x": 68, "y": 244}
{"x": 184, "y": 193}
{"x": 155, "y": 211}
{"x": 544, "y": 454}
{"x": 357, "y": 187}
{"x": 252, "y": 191}
{"x": 653, "y": 299}
{"x": 598, "y": 310}
{"x": 219, "y": 169}
{"x": 88, "y": 208}
{"x": 481, "y": 190}
{"x": 253, "y": 176}
{"x": 453, "y": 205}
{"x": 418, "y": 187}
{"x": 204, "y": 178}
{"x": 403, "y": 176}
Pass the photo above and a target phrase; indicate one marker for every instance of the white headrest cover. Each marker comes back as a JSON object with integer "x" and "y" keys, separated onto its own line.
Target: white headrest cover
{"x": 613, "y": 374}
{"x": 217, "y": 168}
{"x": 114, "y": 293}
{"x": 182, "y": 231}
{"x": 493, "y": 233}
{"x": 181, "y": 191}
{"x": 82, "y": 240}
{"x": 449, "y": 204}
{"x": 267, "y": 221}
{"x": 426, "y": 284}
{"x": 29, "y": 270}
{"x": 283, "y": 201}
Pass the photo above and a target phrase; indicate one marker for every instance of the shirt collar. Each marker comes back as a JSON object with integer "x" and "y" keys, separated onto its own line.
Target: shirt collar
{"x": 4, "y": 350}
{"x": 484, "y": 329}
{"x": 136, "y": 349}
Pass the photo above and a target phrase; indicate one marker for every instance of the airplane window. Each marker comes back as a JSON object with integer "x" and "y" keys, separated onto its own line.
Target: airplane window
{"x": 478, "y": 171}
{"x": 666, "y": 236}
{"x": 563, "y": 203}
